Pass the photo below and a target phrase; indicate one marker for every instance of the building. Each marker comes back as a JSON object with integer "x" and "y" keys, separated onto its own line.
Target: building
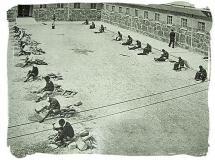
{"x": 62, "y": 11}
{"x": 192, "y": 26}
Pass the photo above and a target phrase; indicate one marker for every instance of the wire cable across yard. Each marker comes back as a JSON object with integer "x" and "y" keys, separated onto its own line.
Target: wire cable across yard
{"x": 103, "y": 116}
{"x": 121, "y": 102}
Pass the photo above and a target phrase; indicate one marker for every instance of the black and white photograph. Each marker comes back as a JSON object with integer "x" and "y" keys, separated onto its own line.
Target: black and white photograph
{"x": 109, "y": 78}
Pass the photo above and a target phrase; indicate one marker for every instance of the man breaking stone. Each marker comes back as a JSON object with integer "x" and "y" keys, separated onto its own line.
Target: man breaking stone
{"x": 53, "y": 108}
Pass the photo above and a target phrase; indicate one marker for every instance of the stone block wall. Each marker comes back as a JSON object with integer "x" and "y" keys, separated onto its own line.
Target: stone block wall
{"x": 189, "y": 38}
{"x": 66, "y": 14}
{"x": 12, "y": 14}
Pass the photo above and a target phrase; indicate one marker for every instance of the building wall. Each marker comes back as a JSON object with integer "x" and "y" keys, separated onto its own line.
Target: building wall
{"x": 67, "y": 13}
{"x": 189, "y": 37}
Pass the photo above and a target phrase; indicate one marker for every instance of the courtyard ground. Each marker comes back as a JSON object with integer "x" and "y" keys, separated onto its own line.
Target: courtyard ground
{"x": 105, "y": 72}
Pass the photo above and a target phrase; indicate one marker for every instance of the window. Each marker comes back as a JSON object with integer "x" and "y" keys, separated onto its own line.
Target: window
{"x": 93, "y": 5}
{"x": 201, "y": 26}
{"x": 127, "y": 11}
{"x": 136, "y": 13}
{"x": 146, "y": 15}
{"x": 43, "y": 6}
{"x": 169, "y": 19}
{"x": 183, "y": 22}
{"x": 76, "y": 5}
{"x": 157, "y": 17}
{"x": 120, "y": 9}
{"x": 107, "y": 7}
{"x": 60, "y": 5}
{"x": 113, "y": 8}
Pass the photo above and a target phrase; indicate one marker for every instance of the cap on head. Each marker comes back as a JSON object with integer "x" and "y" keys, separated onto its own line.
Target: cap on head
{"x": 163, "y": 50}
{"x": 61, "y": 122}
{"x": 200, "y": 66}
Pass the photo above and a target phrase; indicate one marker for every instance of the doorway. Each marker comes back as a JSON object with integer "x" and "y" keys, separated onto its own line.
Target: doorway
{"x": 25, "y": 10}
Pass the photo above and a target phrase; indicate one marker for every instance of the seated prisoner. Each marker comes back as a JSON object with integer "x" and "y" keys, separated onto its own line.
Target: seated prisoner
{"x": 65, "y": 131}
{"x": 146, "y": 50}
{"x": 47, "y": 90}
{"x": 53, "y": 108}
{"x": 201, "y": 75}
{"x": 92, "y": 26}
{"x": 163, "y": 56}
{"x": 32, "y": 73}
{"x": 129, "y": 41}
{"x": 86, "y": 22}
{"x": 179, "y": 65}
{"x": 101, "y": 29}
{"x": 119, "y": 37}
{"x": 136, "y": 46}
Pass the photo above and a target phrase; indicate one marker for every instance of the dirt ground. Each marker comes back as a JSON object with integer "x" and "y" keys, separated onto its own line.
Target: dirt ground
{"x": 103, "y": 72}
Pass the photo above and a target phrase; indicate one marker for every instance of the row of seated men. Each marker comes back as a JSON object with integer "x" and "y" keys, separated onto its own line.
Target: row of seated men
{"x": 200, "y": 75}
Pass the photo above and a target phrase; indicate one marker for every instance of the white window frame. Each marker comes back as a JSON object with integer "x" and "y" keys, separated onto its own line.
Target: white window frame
{"x": 113, "y": 8}
{"x": 120, "y": 9}
{"x": 169, "y": 19}
{"x": 127, "y": 11}
{"x": 79, "y": 5}
{"x": 201, "y": 26}
{"x": 157, "y": 17}
{"x": 146, "y": 14}
{"x": 93, "y": 5}
{"x": 136, "y": 12}
{"x": 107, "y": 7}
{"x": 60, "y": 5}
{"x": 183, "y": 22}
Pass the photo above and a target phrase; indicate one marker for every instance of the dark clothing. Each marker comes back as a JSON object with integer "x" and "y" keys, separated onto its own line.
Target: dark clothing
{"x": 201, "y": 75}
{"x": 178, "y": 65}
{"x": 172, "y": 35}
{"x": 49, "y": 86}
{"x": 35, "y": 71}
{"x": 146, "y": 50}
{"x": 128, "y": 42}
{"x": 64, "y": 132}
{"x": 163, "y": 57}
{"x": 138, "y": 45}
{"x": 92, "y": 26}
{"x": 172, "y": 39}
{"x": 119, "y": 37}
{"x": 102, "y": 29}
{"x": 54, "y": 104}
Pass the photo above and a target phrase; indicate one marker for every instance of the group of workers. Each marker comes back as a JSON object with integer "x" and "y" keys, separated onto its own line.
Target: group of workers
{"x": 65, "y": 131}
{"x": 178, "y": 66}
{"x": 200, "y": 75}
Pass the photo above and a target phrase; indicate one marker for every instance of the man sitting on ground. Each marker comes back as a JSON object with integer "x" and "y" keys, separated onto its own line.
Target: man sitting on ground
{"x": 86, "y": 22}
{"x": 92, "y": 26}
{"x": 119, "y": 37}
{"x": 201, "y": 74}
{"x": 65, "y": 131}
{"x": 138, "y": 45}
{"x": 53, "y": 108}
{"x": 178, "y": 65}
{"x": 101, "y": 30}
{"x": 32, "y": 73}
{"x": 47, "y": 90}
{"x": 146, "y": 50}
{"x": 129, "y": 41}
{"x": 163, "y": 56}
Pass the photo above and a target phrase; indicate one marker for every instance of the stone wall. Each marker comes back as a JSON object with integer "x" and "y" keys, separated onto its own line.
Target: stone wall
{"x": 188, "y": 38}
{"x": 12, "y": 14}
{"x": 62, "y": 14}
{"x": 66, "y": 14}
